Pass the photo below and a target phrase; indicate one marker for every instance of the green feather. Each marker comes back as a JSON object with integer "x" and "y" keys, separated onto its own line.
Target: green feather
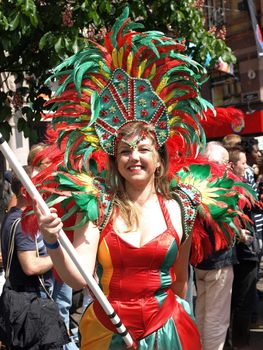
{"x": 95, "y": 107}
{"x": 118, "y": 24}
{"x": 70, "y": 212}
{"x": 80, "y": 71}
{"x": 68, "y": 62}
{"x": 58, "y": 75}
{"x": 93, "y": 167}
{"x": 188, "y": 60}
{"x": 87, "y": 154}
{"x": 51, "y": 201}
{"x": 248, "y": 188}
{"x": 132, "y": 26}
{"x": 216, "y": 211}
{"x": 138, "y": 39}
{"x": 83, "y": 221}
{"x": 67, "y": 184}
{"x": 93, "y": 210}
{"x": 87, "y": 203}
{"x": 200, "y": 172}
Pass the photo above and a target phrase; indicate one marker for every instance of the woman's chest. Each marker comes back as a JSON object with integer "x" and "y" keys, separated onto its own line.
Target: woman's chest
{"x": 158, "y": 253}
{"x": 151, "y": 223}
{"x": 143, "y": 234}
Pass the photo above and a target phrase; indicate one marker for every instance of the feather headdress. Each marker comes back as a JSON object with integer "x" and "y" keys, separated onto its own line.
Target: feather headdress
{"x": 132, "y": 77}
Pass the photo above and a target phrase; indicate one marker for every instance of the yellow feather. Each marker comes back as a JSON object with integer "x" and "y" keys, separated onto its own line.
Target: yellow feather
{"x": 172, "y": 107}
{"x": 115, "y": 57}
{"x": 102, "y": 71}
{"x": 87, "y": 91}
{"x": 152, "y": 72}
{"x": 92, "y": 139}
{"x": 120, "y": 56}
{"x": 141, "y": 68}
{"x": 169, "y": 96}
{"x": 87, "y": 181}
{"x": 173, "y": 120}
{"x": 208, "y": 193}
{"x": 96, "y": 81}
{"x": 85, "y": 104}
{"x": 88, "y": 129}
{"x": 162, "y": 84}
{"x": 86, "y": 117}
{"x": 129, "y": 63}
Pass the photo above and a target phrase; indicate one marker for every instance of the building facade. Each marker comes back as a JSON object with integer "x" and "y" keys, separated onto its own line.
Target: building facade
{"x": 242, "y": 85}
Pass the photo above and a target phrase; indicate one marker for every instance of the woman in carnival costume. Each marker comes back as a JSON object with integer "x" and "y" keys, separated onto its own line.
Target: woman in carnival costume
{"x": 134, "y": 101}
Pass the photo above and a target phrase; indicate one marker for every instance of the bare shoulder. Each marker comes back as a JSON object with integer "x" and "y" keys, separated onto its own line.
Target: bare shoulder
{"x": 174, "y": 211}
{"x": 172, "y": 204}
{"x": 88, "y": 233}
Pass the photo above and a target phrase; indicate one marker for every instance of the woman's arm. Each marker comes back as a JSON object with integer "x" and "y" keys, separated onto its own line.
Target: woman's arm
{"x": 85, "y": 241}
{"x": 181, "y": 269}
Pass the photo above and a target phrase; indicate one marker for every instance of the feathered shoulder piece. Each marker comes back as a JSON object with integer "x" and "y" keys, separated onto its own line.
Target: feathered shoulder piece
{"x": 214, "y": 198}
{"x": 72, "y": 193}
{"x": 189, "y": 198}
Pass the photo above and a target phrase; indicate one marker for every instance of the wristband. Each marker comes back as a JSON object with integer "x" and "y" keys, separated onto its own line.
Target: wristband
{"x": 54, "y": 245}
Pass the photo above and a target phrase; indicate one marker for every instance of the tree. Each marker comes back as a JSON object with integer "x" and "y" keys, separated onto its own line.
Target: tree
{"x": 38, "y": 34}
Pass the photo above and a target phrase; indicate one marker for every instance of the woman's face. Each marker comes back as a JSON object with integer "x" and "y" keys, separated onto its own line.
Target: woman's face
{"x": 137, "y": 159}
{"x": 240, "y": 166}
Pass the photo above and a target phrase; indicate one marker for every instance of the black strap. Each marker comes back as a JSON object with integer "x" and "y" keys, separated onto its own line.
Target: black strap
{"x": 41, "y": 277}
{"x": 11, "y": 246}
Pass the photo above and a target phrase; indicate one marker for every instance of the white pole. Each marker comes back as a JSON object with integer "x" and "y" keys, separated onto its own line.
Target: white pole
{"x": 65, "y": 242}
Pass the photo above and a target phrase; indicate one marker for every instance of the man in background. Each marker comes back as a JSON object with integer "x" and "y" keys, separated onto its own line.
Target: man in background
{"x": 26, "y": 264}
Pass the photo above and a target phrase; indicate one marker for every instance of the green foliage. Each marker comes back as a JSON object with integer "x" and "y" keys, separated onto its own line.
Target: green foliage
{"x": 36, "y": 35}
{"x": 5, "y": 115}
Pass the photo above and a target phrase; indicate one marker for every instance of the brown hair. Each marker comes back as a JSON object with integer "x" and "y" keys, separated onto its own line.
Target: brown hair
{"x": 16, "y": 184}
{"x": 122, "y": 205}
{"x": 34, "y": 151}
{"x": 234, "y": 154}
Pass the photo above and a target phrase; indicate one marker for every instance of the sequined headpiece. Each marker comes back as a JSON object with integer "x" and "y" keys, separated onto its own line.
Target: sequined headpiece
{"x": 126, "y": 100}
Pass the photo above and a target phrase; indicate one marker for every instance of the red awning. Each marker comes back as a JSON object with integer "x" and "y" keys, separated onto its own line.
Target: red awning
{"x": 253, "y": 125}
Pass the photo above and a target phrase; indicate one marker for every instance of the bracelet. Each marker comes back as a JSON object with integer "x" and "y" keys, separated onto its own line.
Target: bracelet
{"x": 54, "y": 245}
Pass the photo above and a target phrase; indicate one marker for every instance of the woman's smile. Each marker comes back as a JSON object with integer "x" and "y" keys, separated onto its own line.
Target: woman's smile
{"x": 137, "y": 159}
{"x": 135, "y": 168}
